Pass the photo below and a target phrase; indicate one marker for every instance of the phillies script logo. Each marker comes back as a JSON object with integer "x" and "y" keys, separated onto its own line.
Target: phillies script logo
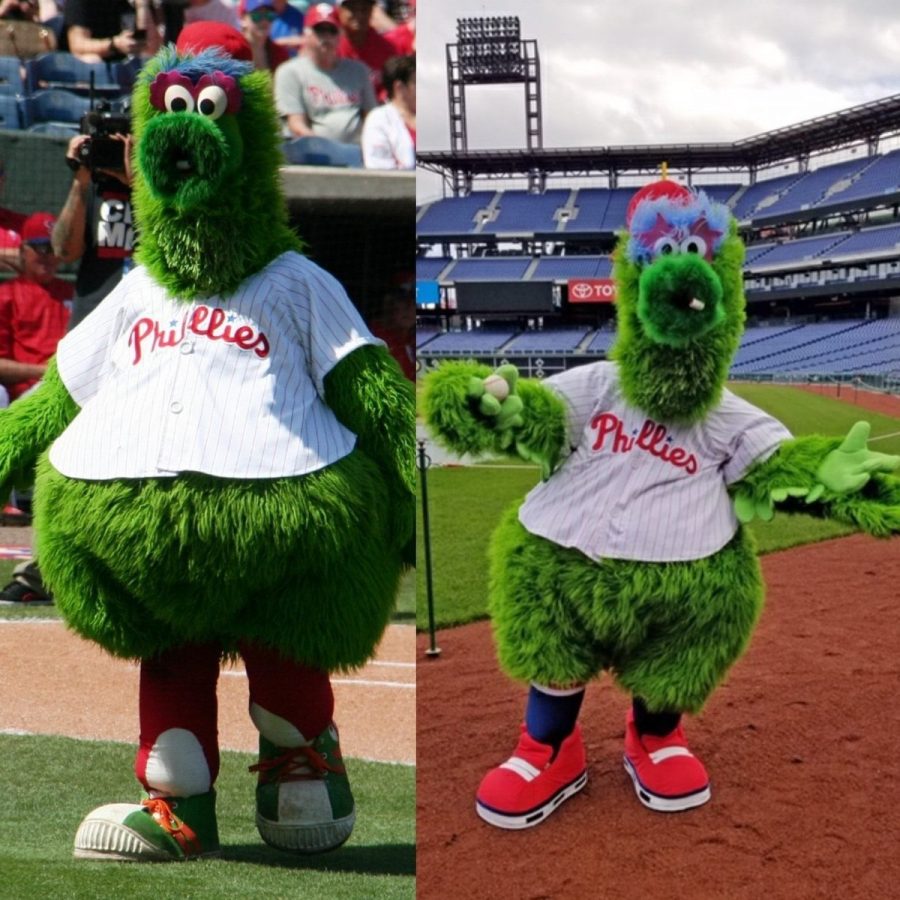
{"x": 652, "y": 438}
{"x": 211, "y": 323}
{"x": 592, "y": 290}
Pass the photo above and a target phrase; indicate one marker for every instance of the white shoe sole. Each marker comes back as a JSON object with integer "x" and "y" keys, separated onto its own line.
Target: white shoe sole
{"x": 306, "y": 838}
{"x": 113, "y": 842}
{"x": 665, "y": 804}
{"x": 534, "y": 816}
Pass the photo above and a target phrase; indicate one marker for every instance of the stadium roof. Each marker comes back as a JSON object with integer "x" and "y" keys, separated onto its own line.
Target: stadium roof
{"x": 865, "y": 123}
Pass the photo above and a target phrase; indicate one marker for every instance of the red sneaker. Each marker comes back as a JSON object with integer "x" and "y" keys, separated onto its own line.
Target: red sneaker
{"x": 667, "y": 776}
{"x": 532, "y": 783}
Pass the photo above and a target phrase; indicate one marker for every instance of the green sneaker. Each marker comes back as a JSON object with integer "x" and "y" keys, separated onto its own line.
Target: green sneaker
{"x": 303, "y": 799}
{"x": 161, "y": 829}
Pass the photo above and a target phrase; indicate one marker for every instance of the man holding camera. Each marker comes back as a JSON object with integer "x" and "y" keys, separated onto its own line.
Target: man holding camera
{"x": 95, "y": 225}
{"x": 110, "y": 30}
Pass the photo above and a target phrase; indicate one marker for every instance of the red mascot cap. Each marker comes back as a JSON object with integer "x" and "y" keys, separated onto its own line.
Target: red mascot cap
{"x": 199, "y": 36}
{"x": 656, "y": 191}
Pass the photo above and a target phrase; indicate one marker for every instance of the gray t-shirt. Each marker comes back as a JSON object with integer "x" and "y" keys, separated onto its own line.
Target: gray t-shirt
{"x": 333, "y": 101}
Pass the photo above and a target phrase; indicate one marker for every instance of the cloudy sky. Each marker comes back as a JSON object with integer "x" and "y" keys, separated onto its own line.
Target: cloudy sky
{"x": 642, "y": 72}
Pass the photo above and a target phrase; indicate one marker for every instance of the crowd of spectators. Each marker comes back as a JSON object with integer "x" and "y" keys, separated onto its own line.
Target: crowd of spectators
{"x": 346, "y": 73}
{"x": 316, "y": 56}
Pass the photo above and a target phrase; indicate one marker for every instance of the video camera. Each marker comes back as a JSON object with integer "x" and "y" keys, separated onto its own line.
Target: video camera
{"x": 103, "y": 151}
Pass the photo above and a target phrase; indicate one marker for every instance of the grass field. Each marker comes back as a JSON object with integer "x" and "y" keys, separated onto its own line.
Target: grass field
{"x": 43, "y": 804}
{"x": 465, "y": 504}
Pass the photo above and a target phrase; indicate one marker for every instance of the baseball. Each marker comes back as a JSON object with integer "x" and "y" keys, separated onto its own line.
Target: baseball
{"x": 497, "y": 386}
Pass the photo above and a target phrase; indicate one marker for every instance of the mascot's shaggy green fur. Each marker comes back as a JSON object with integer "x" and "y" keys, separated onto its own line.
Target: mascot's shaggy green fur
{"x": 667, "y": 623}
{"x": 303, "y": 568}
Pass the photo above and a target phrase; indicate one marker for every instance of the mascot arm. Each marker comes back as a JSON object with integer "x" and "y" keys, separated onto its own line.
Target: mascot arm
{"x": 31, "y": 424}
{"x": 840, "y": 479}
{"x": 473, "y": 410}
{"x": 369, "y": 394}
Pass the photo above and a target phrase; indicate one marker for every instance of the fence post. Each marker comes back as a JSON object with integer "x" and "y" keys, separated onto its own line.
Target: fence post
{"x": 433, "y": 650}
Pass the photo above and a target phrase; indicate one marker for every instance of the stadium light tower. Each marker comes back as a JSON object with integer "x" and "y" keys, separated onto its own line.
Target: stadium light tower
{"x": 491, "y": 51}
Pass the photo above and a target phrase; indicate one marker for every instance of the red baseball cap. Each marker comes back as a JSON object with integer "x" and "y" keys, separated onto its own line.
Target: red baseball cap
{"x": 38, "y": 227}
{"x": 655, "y": 191}
{"x": 321, "y": 14}
{"x": 199, "y": 36}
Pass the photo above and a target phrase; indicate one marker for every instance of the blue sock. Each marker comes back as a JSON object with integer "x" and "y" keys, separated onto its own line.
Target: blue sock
{"x": 550, "y": 715}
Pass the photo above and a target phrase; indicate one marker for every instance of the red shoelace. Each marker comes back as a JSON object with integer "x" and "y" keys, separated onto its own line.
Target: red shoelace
{"x": 296, "y": 764}
{"x": 179, "y": 831}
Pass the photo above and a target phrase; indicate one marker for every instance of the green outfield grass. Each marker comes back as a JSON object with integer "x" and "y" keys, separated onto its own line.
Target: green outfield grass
{"x": 43, "y": 804}
{"x": 465, "y": 504}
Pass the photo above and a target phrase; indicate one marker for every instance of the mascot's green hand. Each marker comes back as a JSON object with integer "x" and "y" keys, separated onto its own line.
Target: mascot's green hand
{"x": 848, "y": 468}
{"x": 496, "y": 400}
{"x": 747, "y": 508}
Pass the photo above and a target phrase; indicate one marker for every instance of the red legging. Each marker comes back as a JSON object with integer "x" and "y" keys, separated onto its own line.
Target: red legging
{"x": 178, "y": 691}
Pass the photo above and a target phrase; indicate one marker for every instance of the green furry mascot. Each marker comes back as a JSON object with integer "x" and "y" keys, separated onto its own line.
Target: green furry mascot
{"x": 630, "y": 556}
{"x": 230, "y": 472}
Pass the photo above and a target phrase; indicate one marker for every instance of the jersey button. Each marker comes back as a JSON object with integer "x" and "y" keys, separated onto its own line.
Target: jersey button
{"x": 175, "y": 407}
{"x": 187, "y": 347}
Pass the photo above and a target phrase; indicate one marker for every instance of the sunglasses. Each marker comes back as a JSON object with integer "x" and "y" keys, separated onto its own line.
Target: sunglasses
{"x": 42, "y": 248}
{"x": 264, "y": 15}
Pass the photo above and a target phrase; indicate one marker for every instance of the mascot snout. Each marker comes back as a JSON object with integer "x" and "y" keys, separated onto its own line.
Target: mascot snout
{"x": 185, "y": 158}
{"x": 679, "y": 299}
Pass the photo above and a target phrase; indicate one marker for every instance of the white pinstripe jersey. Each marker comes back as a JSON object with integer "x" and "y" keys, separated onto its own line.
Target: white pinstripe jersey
{"x": 231, "y": 386}
{"x": 637, "y": 489}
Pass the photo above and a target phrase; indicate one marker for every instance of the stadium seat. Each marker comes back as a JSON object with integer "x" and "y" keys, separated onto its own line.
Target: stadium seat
{"x": 54, "y": 106}
{"x": 63, "y": 70}
{"x": 317, "y": 151}
{"x": 11, "y": 81}
{"x": 126, "y": 72}
{"x": 10, "y": 117}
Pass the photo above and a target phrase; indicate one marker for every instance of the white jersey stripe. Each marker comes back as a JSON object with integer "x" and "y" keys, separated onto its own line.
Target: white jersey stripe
{"x": 634, "y": 488}
{"x": 233, "y": 387}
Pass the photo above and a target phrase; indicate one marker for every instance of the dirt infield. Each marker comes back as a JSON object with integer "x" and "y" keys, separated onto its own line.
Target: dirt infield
{"x": 887, "y": 404}
{"x": 56, "y": 683}
{"x": 800, "y": 743}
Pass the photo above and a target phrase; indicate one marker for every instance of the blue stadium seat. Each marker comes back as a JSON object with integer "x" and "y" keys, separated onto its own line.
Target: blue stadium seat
{"x": 548, "y": 340}
{"x": 453, "y": 215}
{"x": 318, "y": 151}
{"x": 54, "y": 106}
{"x": 521, "y": 211}
{"x": 63, "y": 70}
{"x": 429, "y": 267}
{"x": 11, "y": 81}
{"x": 490, "y": 268}
{"x": 126, "y": 72}
{"x": 10, "y": 116}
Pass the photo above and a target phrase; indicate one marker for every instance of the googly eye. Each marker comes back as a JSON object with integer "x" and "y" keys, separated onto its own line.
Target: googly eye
{"x": 178, "y": 99}
{"x": 212, "y": 101}
{"x": 665, "y": 246}
{"x": 694, "y": 244}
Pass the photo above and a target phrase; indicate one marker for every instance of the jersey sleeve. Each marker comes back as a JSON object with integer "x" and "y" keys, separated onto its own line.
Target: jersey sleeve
{"x": 376, "y": 143}
{"x": 289, "y": 91}
{"x": 83, "y": 355}
{"x": 746, "y": 435}
{"x": 581, "y": 387}
{"x": 330, "y": 326}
